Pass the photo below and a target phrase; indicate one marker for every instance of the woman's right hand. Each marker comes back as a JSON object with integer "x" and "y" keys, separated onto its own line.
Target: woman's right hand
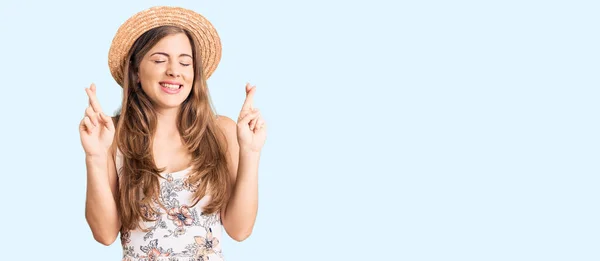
{"x": 96, "y": 130}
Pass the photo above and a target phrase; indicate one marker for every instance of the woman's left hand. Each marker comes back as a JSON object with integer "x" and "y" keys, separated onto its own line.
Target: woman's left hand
{"x": 251, "y": 127}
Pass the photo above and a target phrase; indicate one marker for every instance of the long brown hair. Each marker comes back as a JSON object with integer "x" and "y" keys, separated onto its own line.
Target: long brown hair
{"x": 135, "y": 129}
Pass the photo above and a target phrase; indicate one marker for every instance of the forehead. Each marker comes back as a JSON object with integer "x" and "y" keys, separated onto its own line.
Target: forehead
{"x": 173, "y": 44}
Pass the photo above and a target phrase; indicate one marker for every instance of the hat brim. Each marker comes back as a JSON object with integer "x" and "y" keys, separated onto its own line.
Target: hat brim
{"x": 204, "y": 32}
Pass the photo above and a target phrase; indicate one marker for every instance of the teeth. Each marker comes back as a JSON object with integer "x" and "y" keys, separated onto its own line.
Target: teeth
{"x": 170, "y": 86}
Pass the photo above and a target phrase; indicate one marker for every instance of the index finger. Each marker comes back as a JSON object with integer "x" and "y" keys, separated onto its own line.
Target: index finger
{"x": 249, "y": 102}
{"x": 93, "y": 99}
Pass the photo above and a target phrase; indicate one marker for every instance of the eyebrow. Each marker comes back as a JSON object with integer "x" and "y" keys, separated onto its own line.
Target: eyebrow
{"x": 167, "y": 55}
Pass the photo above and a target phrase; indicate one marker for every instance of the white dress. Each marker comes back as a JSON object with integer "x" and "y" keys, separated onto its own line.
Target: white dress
{"x": 180, "y": 232}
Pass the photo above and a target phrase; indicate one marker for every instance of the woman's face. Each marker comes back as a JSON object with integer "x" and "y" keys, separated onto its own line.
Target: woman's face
{"x": 167, "y": 71}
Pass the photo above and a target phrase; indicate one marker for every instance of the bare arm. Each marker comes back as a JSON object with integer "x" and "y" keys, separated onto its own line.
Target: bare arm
{"x": 239, "y": 214}
{"x": 97, "y": 138}
{"x": 100, "y": 205}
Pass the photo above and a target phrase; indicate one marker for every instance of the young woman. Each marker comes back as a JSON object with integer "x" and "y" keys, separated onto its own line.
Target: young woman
{"x": 167, "y": 172}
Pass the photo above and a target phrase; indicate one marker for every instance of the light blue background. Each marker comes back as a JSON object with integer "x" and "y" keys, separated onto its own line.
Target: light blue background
{"x": 398, "y": 130}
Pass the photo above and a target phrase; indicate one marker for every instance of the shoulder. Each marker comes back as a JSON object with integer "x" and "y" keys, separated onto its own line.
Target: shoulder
{"x": 229, "y": 129}
{"x": 226, "y": 124}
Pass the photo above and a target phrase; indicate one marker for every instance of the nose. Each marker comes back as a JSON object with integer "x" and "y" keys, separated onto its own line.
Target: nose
{"x": 172, "y": 71}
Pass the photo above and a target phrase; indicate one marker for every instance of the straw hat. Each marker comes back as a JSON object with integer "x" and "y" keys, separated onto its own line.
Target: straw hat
{"x": 205, "y": 34}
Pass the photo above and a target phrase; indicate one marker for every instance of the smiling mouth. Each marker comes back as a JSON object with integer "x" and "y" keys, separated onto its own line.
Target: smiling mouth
{"x": 171, "y": 86}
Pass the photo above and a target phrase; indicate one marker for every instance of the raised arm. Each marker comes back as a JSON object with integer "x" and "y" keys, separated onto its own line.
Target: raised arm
{"x": 97, "y": 135}
{"x": 244, "y": 141}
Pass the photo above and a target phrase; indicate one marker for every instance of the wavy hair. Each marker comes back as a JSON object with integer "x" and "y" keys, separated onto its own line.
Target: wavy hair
{"x": 135, "y": 129}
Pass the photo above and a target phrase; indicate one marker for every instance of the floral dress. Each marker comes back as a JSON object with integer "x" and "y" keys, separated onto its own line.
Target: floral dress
{"x": 180, "y": 232}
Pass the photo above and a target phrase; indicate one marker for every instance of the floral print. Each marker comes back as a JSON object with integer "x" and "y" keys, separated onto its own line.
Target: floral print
{"x": 189, "y": 186}
{"x": 148, "y": 214}
{"x": 125, "y": 238}
{"x": 153, "y": 252}
{"x": 178, "y": 231}
{"x": 206, "y": 245}
{"x": 181, "y": 216}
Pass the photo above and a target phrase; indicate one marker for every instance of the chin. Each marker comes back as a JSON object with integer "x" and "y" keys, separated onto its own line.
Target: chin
{"x": 168, "y": 102}
{"x": 171, "y": 104}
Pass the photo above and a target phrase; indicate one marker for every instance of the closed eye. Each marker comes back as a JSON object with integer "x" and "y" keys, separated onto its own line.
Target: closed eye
{"x": 185, "y": 64}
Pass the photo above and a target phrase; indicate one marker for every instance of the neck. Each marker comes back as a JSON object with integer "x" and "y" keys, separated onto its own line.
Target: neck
{"x": 166, "y": 125}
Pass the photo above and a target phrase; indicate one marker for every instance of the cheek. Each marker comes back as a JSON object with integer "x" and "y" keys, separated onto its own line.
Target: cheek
{"x": 147, "y": 78}
{"x": 189, "y": 75}
{"x": 143, "y": 74}
{"x": 150, "y": 78}
{"x": 147, "y": 83}
{"x": 148, "y": 73}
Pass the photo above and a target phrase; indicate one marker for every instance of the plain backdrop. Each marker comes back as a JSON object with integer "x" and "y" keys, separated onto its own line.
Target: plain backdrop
{"x": 398, "y": 130}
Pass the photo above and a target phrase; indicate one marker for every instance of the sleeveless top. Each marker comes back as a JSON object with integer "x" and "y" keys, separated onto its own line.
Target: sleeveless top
{"x": 180, "y": 232}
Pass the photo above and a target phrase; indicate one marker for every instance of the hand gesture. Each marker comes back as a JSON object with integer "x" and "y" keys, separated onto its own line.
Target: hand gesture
{"x": 96, "y": 130}
{"x": 251, "y": 128}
